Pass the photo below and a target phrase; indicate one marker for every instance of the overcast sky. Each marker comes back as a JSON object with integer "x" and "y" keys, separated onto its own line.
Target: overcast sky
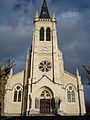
{"x": 73, "y": 24}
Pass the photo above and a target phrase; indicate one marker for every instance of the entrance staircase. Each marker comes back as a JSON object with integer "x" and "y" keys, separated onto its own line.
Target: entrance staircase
{"x": 42, "y": 115}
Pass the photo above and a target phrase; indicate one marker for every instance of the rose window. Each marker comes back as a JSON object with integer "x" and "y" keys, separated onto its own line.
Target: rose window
{"x": 45, "y": 66}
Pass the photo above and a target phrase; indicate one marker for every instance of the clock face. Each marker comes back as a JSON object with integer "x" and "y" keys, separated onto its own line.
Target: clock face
{"x": 45, "y": 50}
{"x": 44, "y": 13}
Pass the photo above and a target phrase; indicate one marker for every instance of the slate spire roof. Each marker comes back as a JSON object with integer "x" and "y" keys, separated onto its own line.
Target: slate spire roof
{"x": 44, "y": 11}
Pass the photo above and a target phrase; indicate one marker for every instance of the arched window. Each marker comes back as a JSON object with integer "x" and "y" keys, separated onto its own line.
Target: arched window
{"x": 70, "y": 94}
{"x": 73, "y": 96}
{"x": 17, "y": 94}
{"x": 42, "y": 34}
{"x": 45, "y": 93}
{"x": 48, "y": 34}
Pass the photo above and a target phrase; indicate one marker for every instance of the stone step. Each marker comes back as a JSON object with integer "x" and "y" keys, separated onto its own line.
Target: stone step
{"x": 42, "y": 115}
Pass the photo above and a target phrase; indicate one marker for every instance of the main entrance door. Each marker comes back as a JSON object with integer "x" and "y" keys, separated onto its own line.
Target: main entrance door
{"x": 45, "y": 106}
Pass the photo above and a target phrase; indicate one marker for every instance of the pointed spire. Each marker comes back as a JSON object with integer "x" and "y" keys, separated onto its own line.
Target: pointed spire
{"x": 53, "y": 17}
{"x": 78, "y": 77}
{"x": 44, "y": 11}
{"x": 77, "y": 72}
{"x": 36, "y": 15}
{"x": 11, "y": 71}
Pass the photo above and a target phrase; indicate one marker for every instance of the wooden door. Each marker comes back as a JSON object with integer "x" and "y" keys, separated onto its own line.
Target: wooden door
{"x": 45, "y": 106}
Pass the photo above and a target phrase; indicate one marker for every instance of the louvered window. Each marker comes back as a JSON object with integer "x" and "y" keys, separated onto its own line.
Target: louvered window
{"x": 42, "y": 34}
{"x": 48, "y": 34}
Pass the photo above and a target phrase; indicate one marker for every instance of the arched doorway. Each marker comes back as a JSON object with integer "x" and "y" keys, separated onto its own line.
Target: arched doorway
{"x": 45, "y": 101}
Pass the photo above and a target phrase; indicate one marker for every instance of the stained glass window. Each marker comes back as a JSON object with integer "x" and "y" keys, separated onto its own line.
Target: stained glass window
{"x": 70, "y": 94}
{"x": 45, "y": 66}
{"x": 45, "y": 93}
{"x": 17, "y": 94}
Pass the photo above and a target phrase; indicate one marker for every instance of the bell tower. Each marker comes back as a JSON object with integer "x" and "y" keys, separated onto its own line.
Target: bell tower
{"x": 46, "y": 57}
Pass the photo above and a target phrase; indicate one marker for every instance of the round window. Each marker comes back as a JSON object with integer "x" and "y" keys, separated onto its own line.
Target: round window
{"x": 45, "y": 66}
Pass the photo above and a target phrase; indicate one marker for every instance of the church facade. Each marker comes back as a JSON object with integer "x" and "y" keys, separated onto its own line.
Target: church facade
{"x": 44, "y": 87}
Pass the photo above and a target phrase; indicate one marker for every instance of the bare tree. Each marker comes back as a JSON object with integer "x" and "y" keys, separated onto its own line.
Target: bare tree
{"x": 87, "y": 71}
{"x": 4, "y": 73}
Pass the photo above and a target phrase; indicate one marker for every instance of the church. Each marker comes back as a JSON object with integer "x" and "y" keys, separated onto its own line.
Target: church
{"x": 44, "y": 87}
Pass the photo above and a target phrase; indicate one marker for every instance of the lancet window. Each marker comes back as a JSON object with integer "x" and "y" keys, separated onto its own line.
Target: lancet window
{"x": 70, "y": 94}
{"x": 48, "y": 34}
{"x": 42, "y": 34}
{"x": 17, "y": 94}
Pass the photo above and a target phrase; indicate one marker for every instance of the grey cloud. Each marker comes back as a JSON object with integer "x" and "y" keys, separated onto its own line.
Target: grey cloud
{"x": 9, "y": 16}
{"x": 14, "y": 41}
{"x": 74, "y": 39}
{"x": 73, "y": 23}
{"x": 20, "y": 63}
